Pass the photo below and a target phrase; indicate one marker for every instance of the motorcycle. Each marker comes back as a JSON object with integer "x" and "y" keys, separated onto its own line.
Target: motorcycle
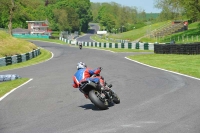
{"x": 102, "y": 99}
{"x": 80, "y": 46}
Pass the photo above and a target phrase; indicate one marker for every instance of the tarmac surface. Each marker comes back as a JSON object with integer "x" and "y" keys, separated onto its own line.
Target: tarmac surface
{"x": 152, "y": 100}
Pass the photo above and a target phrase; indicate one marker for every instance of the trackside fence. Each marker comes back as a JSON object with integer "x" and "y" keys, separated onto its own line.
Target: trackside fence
{"x": 177, "y": 48}
{"x": 126, "y": 45}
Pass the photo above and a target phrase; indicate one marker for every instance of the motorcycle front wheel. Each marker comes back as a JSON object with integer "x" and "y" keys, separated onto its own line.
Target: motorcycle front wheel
{"x": 95, "y": 99}
{"x": 116, "y": 99}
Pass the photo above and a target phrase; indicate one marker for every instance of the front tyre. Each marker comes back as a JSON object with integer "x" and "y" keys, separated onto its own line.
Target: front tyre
{"x": 94, "y": 97}
{"x": 116, "y": 99}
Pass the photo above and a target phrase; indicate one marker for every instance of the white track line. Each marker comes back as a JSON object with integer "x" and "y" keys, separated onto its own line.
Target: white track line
{"x": 163, "y": 69}
{"x": 1, "y": 98}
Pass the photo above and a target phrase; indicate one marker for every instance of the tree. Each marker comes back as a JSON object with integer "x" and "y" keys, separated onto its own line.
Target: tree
{"x": 79, "y": 13}
{"x": 192, "y": 8}
{"x": 113, "y": 16}
{"x": 15, "y": 13}
{"x": 7, "y": 8}
{"x": 177, "y": 8}
{"x": 28, "y": 10}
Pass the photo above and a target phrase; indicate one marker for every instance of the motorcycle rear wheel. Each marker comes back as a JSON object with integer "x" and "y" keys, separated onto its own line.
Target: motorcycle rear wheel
{"x": 93, "y": 95}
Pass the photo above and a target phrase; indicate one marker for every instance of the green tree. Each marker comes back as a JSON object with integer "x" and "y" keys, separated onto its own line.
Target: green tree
{"x": 94, "y": 9}
{"x": 7, "y": 10}
{"x": 27, "y": 10}
{"x": 191, "y": 8}
{"x": 15, "y": 13}
{"x": 172, "y": 9}
{"x": 114, "y": 17}
{"x": 67, "y": 19}
{"x": 79, "y": 13}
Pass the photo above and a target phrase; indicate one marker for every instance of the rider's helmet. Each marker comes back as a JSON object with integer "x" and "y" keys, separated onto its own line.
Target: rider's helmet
{"x": 81, "y": 65}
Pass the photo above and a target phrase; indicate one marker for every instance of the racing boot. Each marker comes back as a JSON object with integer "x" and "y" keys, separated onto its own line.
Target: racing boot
{"x": 106, "y": 87}
{"x": 109, "y": 88}
{"x": 110, "y": 85}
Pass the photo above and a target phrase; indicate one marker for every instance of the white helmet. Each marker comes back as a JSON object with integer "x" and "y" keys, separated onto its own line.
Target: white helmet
{"x": 81, "y": 65}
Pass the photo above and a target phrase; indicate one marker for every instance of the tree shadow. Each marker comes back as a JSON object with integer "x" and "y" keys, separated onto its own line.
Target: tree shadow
{"x": 91, "y": 31}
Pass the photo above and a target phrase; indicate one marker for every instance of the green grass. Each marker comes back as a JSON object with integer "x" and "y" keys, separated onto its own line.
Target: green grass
{"x": 8, "y": 46}
{"x": 194, "y": 25}
{"x": 137, "y": 33}
{"x": 98, "y": 39}
{"x": 7, "y": 86}
{"x": 188, "y": 36}
{"x": 133, "y": 34}
{"x": 45, "y": 55}
{"x": 11, "y": 46}
{"x": 56, "y": 33}
{"x": 49, "y": 40}
{"x": 185, "y": 64}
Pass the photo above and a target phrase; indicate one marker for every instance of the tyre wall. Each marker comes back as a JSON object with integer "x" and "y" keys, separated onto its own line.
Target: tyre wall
{"x": 125, "y": 45}
{"x": 177, "y": 48}
{"x": 9, "y": 60}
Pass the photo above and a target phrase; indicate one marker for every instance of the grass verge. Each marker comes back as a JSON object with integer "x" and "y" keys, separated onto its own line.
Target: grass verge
{"x": 48, "y": 40}
{"x": 185, "y": 64}
{"x": 5, "y": 87}
{"x": 45, "y": 55}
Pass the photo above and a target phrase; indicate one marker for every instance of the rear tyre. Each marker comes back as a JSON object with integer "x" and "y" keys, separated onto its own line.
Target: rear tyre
{"x": 93, "y": 95}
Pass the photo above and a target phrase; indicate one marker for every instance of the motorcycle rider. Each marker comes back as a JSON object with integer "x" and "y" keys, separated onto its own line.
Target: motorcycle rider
{"x": 83, "y": 73}
{"x": 80, "y": 44}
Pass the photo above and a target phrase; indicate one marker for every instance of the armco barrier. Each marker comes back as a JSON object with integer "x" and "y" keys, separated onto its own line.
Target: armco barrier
{"x": 9, "y": 60}
{"x": 125, "y": 45}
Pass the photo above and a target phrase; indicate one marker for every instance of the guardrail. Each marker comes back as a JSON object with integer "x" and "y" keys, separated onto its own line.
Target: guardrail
{"x": 9, "y": 60}
{"x": 126, "y": 45}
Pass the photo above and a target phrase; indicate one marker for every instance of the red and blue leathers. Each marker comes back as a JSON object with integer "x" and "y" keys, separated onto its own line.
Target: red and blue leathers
{"x": 85, "y": 74}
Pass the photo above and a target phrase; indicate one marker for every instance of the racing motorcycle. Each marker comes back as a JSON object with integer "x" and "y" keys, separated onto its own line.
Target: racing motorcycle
{"x": 102, "y": 99}
{"x": 80, "y": 46}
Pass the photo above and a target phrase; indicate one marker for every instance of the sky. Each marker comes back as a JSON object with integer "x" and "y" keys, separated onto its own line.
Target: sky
{"x": 147, "y": 5}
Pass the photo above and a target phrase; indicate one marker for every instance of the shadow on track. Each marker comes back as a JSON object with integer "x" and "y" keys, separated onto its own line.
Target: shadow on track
{"x": 90, "y": 106}
{"x": 93, "y": 107}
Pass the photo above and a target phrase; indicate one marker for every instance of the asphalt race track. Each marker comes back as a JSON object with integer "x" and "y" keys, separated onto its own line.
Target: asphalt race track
{"x": 152, "y": 100}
